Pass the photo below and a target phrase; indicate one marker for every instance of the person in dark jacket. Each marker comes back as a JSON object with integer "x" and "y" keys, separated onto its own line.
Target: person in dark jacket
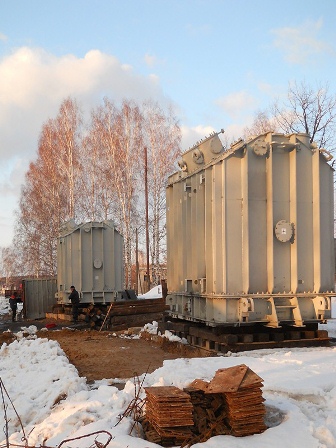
{"x": 74, "y": 298}
{"x": 13, "y": 301}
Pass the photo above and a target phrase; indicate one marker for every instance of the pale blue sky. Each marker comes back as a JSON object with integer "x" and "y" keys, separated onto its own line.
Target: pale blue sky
{"x": 217, "y": 61}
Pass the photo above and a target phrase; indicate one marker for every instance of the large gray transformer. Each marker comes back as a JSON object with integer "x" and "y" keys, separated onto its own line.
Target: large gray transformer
{"x": 90, "y": 257}
{"x": 250, "y": 232}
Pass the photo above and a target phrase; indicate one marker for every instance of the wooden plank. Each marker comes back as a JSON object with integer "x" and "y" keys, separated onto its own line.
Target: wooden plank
{"x": 227, "y": 380}
{"x": 139, "y": 309}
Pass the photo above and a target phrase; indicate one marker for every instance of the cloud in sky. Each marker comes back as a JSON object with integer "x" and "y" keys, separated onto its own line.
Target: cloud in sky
{"x": 30, "y": 73}
{"x": 191, "y": 135}
{"x": 3, "y": 37}
{"x": 302, "y": 44}
{"x": 237, "y": 104}
{"x": 150, "y": 60}
{"x": 34, "y": 83}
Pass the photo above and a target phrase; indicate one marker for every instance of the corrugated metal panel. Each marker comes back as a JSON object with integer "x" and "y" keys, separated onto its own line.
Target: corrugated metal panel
{"x": 90, "y": 257}
{"x": 254, "y": 220}
{"x": 39, "y": 297}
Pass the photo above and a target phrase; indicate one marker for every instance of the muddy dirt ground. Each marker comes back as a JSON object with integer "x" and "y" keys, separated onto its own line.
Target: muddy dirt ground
{"x": 98, "y": 355}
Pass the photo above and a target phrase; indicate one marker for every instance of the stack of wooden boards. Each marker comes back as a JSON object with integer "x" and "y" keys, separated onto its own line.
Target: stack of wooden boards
{"x": 170, "y": 413}
{"x": 240, "y": 391}
{"x": 231, "y": 403}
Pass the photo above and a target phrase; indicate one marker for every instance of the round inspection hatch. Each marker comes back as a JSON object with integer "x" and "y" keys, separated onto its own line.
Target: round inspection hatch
{"x": 283, "y": 231}
{"x": 198, "y": 156}
{"x": 261, "y": 148}
{"x": 182, "y": 164}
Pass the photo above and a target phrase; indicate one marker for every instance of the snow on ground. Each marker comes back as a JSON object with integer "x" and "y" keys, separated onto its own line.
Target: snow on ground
{"x": 4, "y": 305}
{"x": 54, "y": 403}
{"x": 154, "y": 293}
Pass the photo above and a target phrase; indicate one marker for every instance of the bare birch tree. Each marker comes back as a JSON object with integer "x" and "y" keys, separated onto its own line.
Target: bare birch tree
{"x": 309, "y": 110}
{"x": 68, "y": 123}
{"x": 97, "y": 194}
{"x": 9, "y": 265}
{"x": 261, "y": 124}
{"x": 120, "y": 131}
{"x": 162, "y": 138}
{"x": 48, "y": 195}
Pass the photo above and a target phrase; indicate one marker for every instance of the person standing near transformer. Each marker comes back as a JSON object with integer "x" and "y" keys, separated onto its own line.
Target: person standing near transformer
{"x": 13, "y": 301}
{"x": 74, "y": 298}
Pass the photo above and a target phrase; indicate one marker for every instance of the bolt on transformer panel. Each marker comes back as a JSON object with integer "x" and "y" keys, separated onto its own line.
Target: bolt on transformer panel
{"x": 250, "y": 232}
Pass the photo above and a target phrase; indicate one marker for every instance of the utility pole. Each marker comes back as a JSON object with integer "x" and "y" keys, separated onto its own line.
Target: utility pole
{"x": 147, "y": 229}
{"x": 136, "y": 261}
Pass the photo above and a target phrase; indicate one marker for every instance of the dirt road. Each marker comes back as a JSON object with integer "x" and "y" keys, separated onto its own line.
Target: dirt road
{"x": 98, "y": 355}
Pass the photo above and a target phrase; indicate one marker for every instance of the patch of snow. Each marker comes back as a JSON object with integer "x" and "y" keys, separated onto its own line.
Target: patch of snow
{"x": 154, "y": 293}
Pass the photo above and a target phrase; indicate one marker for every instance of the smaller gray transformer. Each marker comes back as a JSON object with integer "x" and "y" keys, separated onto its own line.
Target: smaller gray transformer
{"x": 90, "y": 256}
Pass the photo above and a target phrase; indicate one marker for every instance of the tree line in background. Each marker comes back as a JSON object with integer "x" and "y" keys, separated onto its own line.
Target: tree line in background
{"x": 95, "y": 173}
